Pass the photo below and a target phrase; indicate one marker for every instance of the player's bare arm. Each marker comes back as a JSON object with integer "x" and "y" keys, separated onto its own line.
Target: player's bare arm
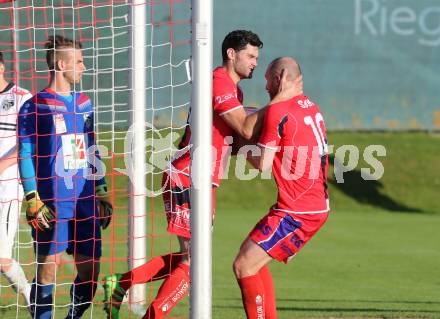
{"x": 249, "y": 126}
{"x": 264, "y": 161}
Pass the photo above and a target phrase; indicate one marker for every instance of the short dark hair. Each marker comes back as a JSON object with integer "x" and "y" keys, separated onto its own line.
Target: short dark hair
{"x": 238, "y": 40}
{"x": 55, "y": 43}
{"x": 1, "y": 58}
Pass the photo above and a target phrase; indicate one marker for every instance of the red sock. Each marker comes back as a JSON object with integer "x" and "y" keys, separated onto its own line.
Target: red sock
{"x": 269, "y": 293}
{"x": 252, "y": 293}
{"x": 155, "y": 269}
{"x": 173, "y": 289}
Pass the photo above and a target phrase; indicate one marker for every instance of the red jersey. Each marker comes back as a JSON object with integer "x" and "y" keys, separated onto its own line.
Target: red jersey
{"x": 295, "y": 128}
{"x": 226, "y": 97}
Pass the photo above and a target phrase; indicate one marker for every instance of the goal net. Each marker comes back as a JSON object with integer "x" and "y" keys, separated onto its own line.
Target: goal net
{"x": 106, "y": 31}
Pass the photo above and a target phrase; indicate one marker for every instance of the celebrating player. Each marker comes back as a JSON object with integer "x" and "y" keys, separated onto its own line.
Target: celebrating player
{"x": 11, "y": 193}
{"x": 240, "y": 50}
{"x": 60, "y": 167}
{"x": 294, "y": 144}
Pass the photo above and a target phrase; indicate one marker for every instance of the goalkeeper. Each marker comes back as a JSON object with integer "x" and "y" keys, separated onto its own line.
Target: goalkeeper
{"x": 66, "y": 198}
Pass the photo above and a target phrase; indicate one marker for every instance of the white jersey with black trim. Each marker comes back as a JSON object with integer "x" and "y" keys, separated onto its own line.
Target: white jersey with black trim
{"x": 11, "y": 100}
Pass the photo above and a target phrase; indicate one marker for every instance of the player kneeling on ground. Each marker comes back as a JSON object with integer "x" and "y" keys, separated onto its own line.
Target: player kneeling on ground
{"x": 294, "y": 144}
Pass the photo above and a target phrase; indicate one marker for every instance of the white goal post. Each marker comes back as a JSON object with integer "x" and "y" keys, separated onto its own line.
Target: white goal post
{"x": 201, "y": 179}
{"x": 137, "y": 225}
{"x": 201, "y": 161}
{"x": 136, "y": 54}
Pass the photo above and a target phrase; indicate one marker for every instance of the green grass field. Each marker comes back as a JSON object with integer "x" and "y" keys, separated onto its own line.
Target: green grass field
{"x": 378, "y": 256}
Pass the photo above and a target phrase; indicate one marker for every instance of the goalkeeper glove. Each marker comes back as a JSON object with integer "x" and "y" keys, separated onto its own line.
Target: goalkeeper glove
{"x": 38, "y": 215}
{"x": 105, "y": 206}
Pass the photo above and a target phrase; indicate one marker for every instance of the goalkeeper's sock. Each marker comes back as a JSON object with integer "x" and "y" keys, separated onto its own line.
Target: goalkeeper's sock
{"x": 81, "y": 296}
{"x": 16, "y": 277}
{"x": 41, "y": 300}
{"x": 252, "y": 292}
{"x": 157, "y": 268}
{"x": 173, "y": 289}
{"x": 269, "y": 293}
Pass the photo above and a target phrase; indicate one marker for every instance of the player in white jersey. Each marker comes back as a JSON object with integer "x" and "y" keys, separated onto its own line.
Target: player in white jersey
{"x": 11, "y": 193}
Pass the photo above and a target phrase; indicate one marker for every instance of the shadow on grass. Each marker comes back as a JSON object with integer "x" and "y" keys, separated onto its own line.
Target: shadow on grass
{"x": 415, "y": 302}
{"x": 368, "y": 191}
{"x": 358, "y": 310}
{"x": 337, "y": 309}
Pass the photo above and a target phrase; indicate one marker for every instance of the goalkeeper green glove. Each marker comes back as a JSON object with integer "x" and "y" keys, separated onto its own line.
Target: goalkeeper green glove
{"x": 38, "y": 215}
{"x": 105, "y": 206}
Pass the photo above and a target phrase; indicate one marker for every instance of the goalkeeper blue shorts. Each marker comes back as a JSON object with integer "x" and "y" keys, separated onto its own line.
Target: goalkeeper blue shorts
{"x": 78, "y": 235}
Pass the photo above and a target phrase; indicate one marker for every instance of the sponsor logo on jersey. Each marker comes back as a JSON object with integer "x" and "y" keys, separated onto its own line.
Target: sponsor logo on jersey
{"x": 74, "y": 151}
{"x": 7, "y": 104}
{"x": 225, "y": 97}
{"x": 60, "y": 124}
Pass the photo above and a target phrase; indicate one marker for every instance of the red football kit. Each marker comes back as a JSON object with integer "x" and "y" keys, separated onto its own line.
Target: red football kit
{"x": 227, "y": 96}
{"x": 176, "y": 182}
{"x": 295, "y": 130}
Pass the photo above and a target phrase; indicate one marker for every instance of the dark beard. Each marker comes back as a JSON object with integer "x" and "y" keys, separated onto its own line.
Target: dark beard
{"x": 250, "y": 74}
{"x": 272, "y": 95}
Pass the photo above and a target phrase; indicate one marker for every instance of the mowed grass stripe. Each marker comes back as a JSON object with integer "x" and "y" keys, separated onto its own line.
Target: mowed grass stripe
{"x": 367, "y": 262}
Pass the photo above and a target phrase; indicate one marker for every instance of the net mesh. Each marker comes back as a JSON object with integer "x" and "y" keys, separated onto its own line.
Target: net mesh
{"x": 103, "y": 28}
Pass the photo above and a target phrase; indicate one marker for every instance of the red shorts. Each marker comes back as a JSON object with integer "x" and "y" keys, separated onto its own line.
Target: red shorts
{"x": 283, "y": 234}
{"x": 176, "y": 199}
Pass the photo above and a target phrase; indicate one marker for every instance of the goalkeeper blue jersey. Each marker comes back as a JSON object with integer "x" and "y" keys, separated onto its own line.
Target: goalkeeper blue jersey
{"x": 64, "y": 155}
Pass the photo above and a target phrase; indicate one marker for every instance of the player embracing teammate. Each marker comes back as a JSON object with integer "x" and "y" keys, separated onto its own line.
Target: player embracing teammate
{"x": 293, "y": 143}
{"x": 240, "y": 51}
